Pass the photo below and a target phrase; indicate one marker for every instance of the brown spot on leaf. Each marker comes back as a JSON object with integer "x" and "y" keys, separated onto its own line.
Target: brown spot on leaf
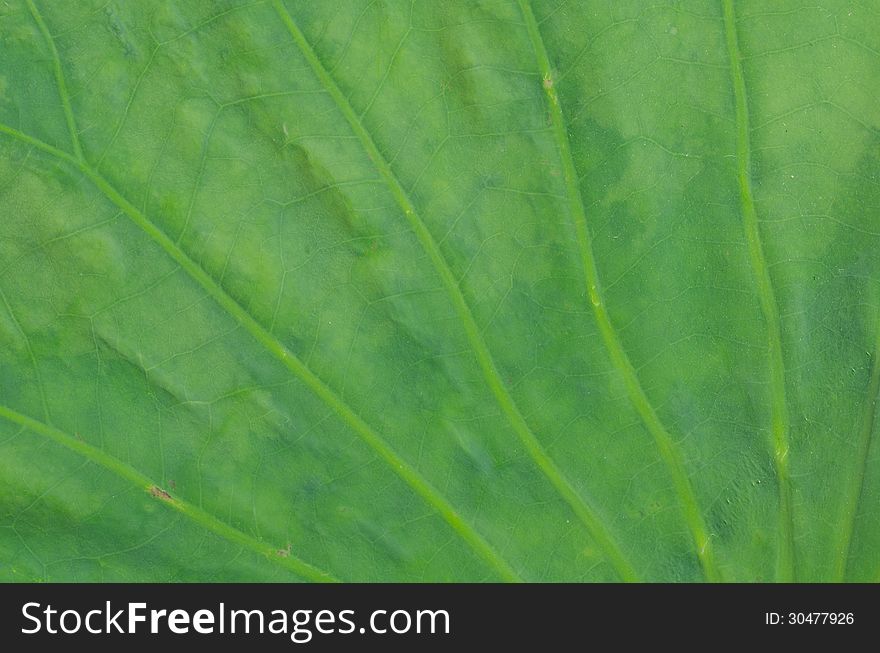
{"x": 159, "y": 493}
{"x": 284, "y": 553}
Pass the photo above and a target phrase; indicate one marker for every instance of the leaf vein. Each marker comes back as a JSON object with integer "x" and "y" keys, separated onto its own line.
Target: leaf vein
{"x": 143, "y": 482}
{"x": 778, "y": 406}
{"x": 857, "y": 485}
{"x": 584, "y": 511}
{"x": 665, "y": 443}
{"x": 59, "y": 79}
{"x": 372, "y": 438}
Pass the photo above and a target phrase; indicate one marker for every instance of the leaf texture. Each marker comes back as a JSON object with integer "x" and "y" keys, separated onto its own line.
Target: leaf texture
{"x": 377, "y": 290}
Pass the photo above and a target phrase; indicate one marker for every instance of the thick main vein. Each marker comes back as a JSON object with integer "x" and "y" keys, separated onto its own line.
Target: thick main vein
{"x": 59, "y": 79}
{"x": 779, "y": 421}
{"x": 856, "y": 491}
{"x": 371, "y": 437}
{"x": 665, "y": 443}
{"x": 584, "y": 511}
{"x": 280, "y": 557}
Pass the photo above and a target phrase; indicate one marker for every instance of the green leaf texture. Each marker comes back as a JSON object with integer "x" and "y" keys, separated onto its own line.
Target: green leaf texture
{"x": 390, "y": 290}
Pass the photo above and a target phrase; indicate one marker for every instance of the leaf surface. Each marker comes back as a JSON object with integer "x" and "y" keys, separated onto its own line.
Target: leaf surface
{"x": 446, "y": 291}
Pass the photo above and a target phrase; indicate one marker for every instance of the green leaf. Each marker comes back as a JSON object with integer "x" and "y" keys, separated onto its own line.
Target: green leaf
{"x": 449, "y": 291}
